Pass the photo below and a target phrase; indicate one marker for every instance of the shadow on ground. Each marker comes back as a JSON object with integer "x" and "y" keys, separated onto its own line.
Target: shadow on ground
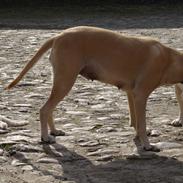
{"x": 118, "y": 17}
{"x": 81, "y": 170}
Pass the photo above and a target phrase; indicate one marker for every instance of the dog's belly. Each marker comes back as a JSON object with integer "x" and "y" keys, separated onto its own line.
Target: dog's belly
{"x": 107, "y": 76}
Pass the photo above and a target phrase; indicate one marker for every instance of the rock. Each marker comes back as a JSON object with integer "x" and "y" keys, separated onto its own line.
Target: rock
{"x": 102, "y": 152}
{"x": 116, "y": 116}
{"x": 13, "y": 123}
{"x": 167, "y": 145}
{"x": 89, "y": 143}
{"x": 18, "y": 138}
{"x": 3, "y": 159}
{"x": 16, "y": 162}
{"x": 110, "y": 129}
{"x": 26, "y": 148}
{"x": 1, "y": 152}
{"x": 22, "y": 105}
{"x": 27, "y": 168}
{"x": 98, "y": 106}
{"x": 4, "y": 131}
{"x": 105, "y": 158}
{"x": 96, "y": 127}
{"x": 155, "y": 133}
{"x": 176, "y": 123}
{"x": 47, "y": 160}
{"x": 141, "y": 155}
{"x": 35, "y": 95}
{"x": 3, "y": 126}
{"x": 76, "y": 112}
{"x": 6, "y": 143}
{"x": 21, "y": 132}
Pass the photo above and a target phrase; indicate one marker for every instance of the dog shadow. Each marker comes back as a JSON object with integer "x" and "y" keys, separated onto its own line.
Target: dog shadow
{"x": 80, "y": 169}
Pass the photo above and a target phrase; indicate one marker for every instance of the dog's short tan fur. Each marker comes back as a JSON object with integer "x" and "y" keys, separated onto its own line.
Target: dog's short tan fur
{"x": 136, "y": 65}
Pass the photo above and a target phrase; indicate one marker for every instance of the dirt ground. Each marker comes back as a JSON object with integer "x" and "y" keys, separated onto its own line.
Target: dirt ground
{"x": 94, "y": 116}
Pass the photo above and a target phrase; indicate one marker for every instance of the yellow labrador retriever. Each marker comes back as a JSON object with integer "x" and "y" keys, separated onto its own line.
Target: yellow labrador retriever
{"x": 136, "y": 65}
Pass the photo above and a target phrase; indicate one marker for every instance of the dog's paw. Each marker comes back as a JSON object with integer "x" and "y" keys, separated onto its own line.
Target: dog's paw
{"x": 48, "y": 140}
{"x": 152, "y": 148}
{"x": 176, "y": 123}
{"x": 57, "y": 133}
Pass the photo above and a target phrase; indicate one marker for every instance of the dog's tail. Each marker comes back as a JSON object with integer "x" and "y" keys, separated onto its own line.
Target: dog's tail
{"x": 45, "y": 47}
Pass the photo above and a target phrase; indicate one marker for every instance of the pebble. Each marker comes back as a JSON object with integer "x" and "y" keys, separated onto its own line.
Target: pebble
{"x": 18, "y": 138}
{"x": 1, "y": 152}
{"x": 35, "y": 95}
{"x": 142, "y": 155}
{"x": 89, "y": 143}
{"x": 47, "y": 160}
{"x": 76, "y": 112}
{"x": 22, "y": 105}
{"x": 155, "y": 133}
{"x": 116, "y": 116}
{"x": 13, "y": 123}
{"x": 102, "y": 152}
{"x": 16, "y": 162}
{"x": 26, "y": 148}
{"x": 27, "y": 168}
{"x": 105, "y": 158}
{"x": 168, "y": 145}
{"x": 98, "y": 106}
{"x": 3, "y": 126}
{"x": 3, "y": 159}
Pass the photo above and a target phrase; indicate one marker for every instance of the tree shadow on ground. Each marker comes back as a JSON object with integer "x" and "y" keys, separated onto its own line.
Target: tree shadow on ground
{"x": 117, "y": 18}
{"x": 80, "y": 169}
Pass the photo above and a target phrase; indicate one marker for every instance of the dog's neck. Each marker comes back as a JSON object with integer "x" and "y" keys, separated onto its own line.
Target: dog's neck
{"x": 174, "y": 72}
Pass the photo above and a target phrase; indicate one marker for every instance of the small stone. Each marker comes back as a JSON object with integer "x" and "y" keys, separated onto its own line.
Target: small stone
{"x": 16, "y": 162}
{"x": 26, "y": 148}
{"x": 116, "y": 116}
{"x": 89, "y": 144}
{"x": 155, "y": 133}
{"x": 35, "y": 95}
{"x": 47, "y": 160}
{"x": 105, "y": 158}
{"x": 3, "y": 126}
{"x": 18, "y": 138}
{"x": 103, "y": 118}
{"x": 168, "y": 145}
{"x": 13, "y": 123}
{"x": 110, "y": 129}
{"x": 1, "y": 152}
{"x": 6, "y": 143}
{"x": 149, "y": 155}
{"x": 22, "y": 105}
{"x": 4, "y": 131}
{"x": 27, "y": 168}
{"x": 76, "y": 112}
{"x": 176, "y": 123}
{"x": 98, "y": 106}
{"x": 3, "y": 159}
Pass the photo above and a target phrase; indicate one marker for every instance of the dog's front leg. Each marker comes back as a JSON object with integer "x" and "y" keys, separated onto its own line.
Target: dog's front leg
{"x": 140, "y": 101}
{"x": 132, "y": 117}
{"x": 179, "y": 94}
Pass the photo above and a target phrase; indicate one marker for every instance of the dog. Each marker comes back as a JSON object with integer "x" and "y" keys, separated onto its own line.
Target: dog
{"x": 135, "y": 65}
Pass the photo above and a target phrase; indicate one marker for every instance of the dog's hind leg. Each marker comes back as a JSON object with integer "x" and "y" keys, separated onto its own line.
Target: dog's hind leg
{"x": 59, "y": 91}
{"x": 64, "y": 78}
